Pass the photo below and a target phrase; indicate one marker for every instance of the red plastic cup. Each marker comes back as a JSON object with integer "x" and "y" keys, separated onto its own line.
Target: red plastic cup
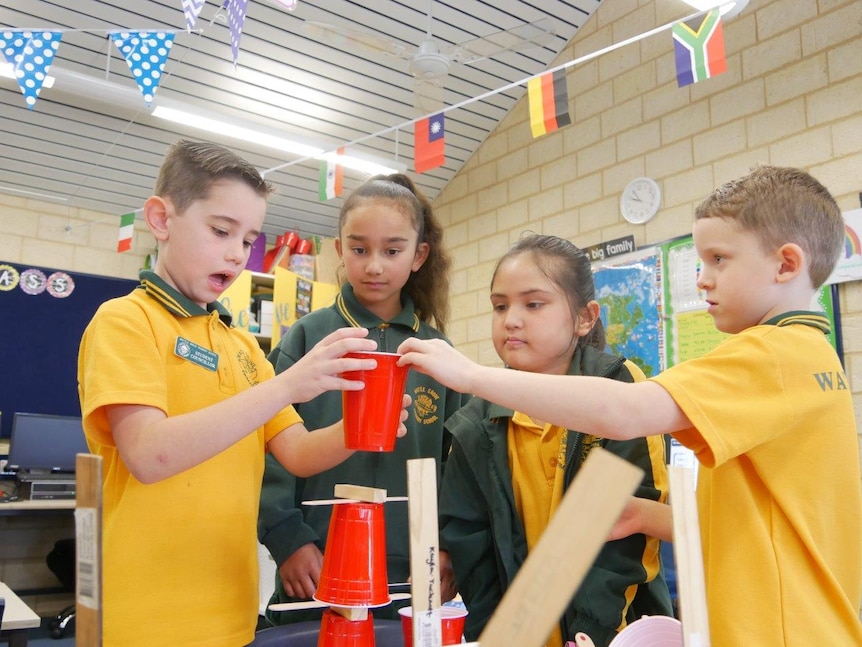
{"x": 372, "y": 415}
{"x": 290, "y": 239}
{"x": 338, "y": 631}
{"x": 451, "y": 620}
{"x": 303, "y": 246}
{"x": 354, "y": 562}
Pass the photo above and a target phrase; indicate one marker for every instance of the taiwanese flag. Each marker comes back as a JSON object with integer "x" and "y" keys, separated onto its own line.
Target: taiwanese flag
{"x": 698, "y": 49}
{"x": 549, "y": 102}
{"x": 429, "y": 143}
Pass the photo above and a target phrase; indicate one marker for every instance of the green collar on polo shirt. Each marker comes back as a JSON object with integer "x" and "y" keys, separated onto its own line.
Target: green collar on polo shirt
{"x": 359, "y": 316}
{"x": 814, "y": 319}
{"x": 177, "y": 303}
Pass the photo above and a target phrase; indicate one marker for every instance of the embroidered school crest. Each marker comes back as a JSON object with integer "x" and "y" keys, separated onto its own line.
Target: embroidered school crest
{"x": 248, "y": 367}
{"x": 425, "y": 401}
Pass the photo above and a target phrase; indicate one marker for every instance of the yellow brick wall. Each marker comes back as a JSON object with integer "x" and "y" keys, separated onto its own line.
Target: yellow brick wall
{"x": 53, "y": 235}
{"x": 790, "y": 96}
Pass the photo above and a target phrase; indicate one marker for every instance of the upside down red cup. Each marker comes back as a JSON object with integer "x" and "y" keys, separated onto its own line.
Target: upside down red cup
{"x": 451, "y": 621}
{"x": 372, "y": 415}
{"x": 354, "y": 562}
{"x": 338, "y": 631}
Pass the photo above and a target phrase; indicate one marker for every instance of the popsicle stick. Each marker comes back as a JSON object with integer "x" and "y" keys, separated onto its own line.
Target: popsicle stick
{"x": 340, "y": 501}
{"x": 424, "y": 552}
{"x": 88, "y": 550}
{"x": 555, "y": 567}
{"x": 360, "y": 493}
{"x": 314, "y": 604}
{"x": 688, "y": 555}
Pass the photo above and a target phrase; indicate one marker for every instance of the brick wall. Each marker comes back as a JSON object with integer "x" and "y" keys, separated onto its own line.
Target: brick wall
{"x": 790, "y": 96}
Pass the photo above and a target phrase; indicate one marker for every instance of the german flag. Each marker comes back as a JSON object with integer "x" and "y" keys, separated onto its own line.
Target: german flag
{"x": 549, "y": 102}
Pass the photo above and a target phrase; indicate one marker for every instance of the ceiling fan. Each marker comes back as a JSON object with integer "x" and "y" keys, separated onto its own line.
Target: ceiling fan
{"x": 431, "y": 61}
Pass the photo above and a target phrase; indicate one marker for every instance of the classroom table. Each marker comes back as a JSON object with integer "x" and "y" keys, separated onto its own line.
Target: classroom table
{"x": 18, "y": 618}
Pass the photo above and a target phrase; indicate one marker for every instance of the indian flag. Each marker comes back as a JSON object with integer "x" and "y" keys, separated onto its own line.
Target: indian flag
{"x": 331, "y": 177}
{"x": 127, "y": 228}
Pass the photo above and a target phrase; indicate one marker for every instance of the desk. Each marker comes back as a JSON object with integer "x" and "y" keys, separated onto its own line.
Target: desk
{"x": 17, "y": 618}
{"x": 26, "y": 505}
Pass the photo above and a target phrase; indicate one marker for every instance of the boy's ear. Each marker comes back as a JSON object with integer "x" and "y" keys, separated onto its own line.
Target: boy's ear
{"x": 792, "y": 260}
{"x": 156, "y": 217}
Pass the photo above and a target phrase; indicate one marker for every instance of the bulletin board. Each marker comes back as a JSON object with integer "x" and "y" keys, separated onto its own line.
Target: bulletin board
{"x": 43, "y": 313}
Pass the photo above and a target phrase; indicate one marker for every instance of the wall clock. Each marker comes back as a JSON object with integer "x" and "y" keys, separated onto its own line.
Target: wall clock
{"x": 640, "y": 200}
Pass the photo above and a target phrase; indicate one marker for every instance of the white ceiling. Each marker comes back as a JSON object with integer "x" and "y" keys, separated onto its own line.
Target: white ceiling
{"x": 103, "y": 154}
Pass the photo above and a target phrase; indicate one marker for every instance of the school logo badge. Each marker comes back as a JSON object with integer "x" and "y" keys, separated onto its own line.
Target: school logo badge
{"x": 248, "y": 367}
{"x": 425, "y": 405}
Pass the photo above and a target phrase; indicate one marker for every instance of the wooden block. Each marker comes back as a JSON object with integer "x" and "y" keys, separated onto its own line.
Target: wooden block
{"x": 88, "y": 549}
{"x": 360, "y": 493}
{"x": 352, "y": 613}
{"x": 688, "y": 556}
{"x": 424, "y": 551}
{"x": 555, "y": 567}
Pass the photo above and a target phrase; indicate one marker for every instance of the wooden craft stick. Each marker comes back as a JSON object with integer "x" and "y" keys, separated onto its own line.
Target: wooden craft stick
{"x": 553, "y": 570}
{"x": 340, "y": 501}
{"x": 352, "y": 613}
{"x": 88, "y": 550}
{"x": 688, "y": 556}
{"x": 424, "y": 552}
{"x": 314, "y": 604}
{"x": 360, "y": 493}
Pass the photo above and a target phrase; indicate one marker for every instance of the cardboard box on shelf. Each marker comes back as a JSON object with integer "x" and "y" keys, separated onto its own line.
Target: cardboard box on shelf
{"x": 267, "y": 311}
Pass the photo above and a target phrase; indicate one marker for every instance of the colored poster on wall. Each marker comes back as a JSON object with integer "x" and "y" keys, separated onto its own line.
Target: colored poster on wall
{"x": 849, "y": 267}
{"x": 629, "y": 292}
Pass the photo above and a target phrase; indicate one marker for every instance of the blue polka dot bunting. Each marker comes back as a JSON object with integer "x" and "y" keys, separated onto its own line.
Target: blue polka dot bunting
{"x": 30, "y": 54}
{"x": 146, "y": 52}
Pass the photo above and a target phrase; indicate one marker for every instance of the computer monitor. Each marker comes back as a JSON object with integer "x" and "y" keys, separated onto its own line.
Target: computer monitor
{"x": 45, "y": 443}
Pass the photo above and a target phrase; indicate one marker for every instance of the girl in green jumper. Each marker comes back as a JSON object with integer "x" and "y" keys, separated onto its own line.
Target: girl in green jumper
{"x": 397, "y": 284}
{"x": 507, "y": 471}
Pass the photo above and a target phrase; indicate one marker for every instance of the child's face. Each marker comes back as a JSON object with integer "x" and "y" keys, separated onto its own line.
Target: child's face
{"x": 379, "y": 248}
{"x": 738, "y": 276}
{"x": 208, "y": 245}
{"x": 532, "y": 325}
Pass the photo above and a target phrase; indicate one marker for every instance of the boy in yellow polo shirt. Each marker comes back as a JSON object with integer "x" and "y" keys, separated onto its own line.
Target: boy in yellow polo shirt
{"x": 768, "y": 414}
{"x": 166, "y": 395}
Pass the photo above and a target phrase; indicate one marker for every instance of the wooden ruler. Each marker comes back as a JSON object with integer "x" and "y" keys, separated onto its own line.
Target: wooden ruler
{"x": 555, "y": 567}
{"x": 424, "y": 552}
{"x": 688, "y": 556}
{"x": 88, "y": 548}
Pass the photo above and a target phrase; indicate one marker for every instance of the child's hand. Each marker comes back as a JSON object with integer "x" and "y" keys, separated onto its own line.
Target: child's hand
{"x": 438, "y": 359}
{"x": 320, "y": 369}
{"x": 406, "y": 401}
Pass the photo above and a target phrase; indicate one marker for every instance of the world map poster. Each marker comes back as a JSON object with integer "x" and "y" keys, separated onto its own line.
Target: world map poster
{"x": 629, "y": 292}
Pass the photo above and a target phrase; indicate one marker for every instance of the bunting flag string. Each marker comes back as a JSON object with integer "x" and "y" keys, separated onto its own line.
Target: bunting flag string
{"x": 146, "y": 52}
{"x": 548, "y": 97}
{"x": 429, "y": 143}
{"x": 30, "y": 54}
{"x": 191, "y": 10}
{"x": 699, "y": 48}
{"x": 331, "y": 177}
{"x": 127, "y": 231}
{"x": 235, "y": 19}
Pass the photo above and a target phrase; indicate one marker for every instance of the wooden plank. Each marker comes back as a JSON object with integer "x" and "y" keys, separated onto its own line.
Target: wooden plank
{"x": 688, "y": 556}
{"x": 554, "y": 569}
{"x": 88, "y": 538}
{"x": 360, "y": 493}
{"x": 424, "y": 552}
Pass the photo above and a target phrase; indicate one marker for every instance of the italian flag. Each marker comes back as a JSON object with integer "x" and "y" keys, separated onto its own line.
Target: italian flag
{"x": 127, "y": 228}
{"x": 331, "y": 177}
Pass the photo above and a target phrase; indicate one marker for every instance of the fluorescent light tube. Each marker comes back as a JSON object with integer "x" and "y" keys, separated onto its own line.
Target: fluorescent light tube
{"x": 8, "y": 70}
